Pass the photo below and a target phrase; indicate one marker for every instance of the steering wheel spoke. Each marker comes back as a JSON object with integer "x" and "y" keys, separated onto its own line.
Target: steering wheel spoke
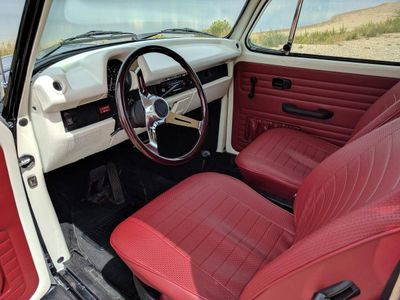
{"x": 181, "y": 120}
{"x": 141, "y": 83}
{"x": 152, "y": 144}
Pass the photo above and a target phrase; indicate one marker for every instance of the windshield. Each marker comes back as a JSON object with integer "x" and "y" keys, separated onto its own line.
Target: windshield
{"x": 69, "y": 18}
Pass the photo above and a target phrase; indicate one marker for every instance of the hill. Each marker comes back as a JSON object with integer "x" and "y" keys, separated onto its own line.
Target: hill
{"x": 371, "y": 33}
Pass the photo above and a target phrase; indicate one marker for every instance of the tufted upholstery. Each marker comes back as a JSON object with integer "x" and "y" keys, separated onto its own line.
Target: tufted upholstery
{"x": 279, "y": 160}
{"x": 384, "y": 110}
{"x": 349, "y": 203}
{"x": 214, "y": 227}
{"x": 211, "y": 237}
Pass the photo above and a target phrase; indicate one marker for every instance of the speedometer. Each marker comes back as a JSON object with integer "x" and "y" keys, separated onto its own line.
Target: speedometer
{"x": 113, "y": 67}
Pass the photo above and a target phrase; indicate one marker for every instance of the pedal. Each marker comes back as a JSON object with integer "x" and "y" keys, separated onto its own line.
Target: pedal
{"x": 98, "y": 192}
{"x": 115, "y": 183}
{"x": 105, "y": 185}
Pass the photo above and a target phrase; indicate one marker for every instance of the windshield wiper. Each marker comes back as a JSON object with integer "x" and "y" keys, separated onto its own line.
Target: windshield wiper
{"x": 95, "y": 35}
{"x": 91, "y": 36}
{"x": 184, "y": 30}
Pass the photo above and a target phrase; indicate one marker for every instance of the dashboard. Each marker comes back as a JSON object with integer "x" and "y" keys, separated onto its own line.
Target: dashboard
{"x": 97, "y": 111}
{"x": 73, "y": 108}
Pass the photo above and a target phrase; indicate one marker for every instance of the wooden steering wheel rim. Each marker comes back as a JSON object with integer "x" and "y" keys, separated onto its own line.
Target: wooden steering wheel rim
{"x": 124, "y": 114}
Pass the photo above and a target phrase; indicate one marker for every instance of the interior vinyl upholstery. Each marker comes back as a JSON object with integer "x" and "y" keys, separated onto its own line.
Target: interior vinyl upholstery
{"x": 205, "y": 237}
{"x": 279, "y": 160}
{"x": 348, "y": 96}
{"x": 18, "y": 277}
{"x": 212, "y": 237}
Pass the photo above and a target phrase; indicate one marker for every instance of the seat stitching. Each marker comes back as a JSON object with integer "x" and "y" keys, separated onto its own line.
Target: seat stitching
{"x": 262, "y": 216}
{"x": 372, "y": 162}
{"x": 310, "y": 226}
{"x": 282, "y": 150}
{"x": 178, "y": 250}
{"x": 165, "y": 203}
{"x": 290, "y": 156}
{"x": 388, "y": 156}
{"x": 326, "y": 209}
{"x": 354, "y": 183}
{"x": 250, "y": 252}
{"x": 278, "y": 141}
{"x": 202, "y": 221}
{"x": 236, "y": 243}
{"x": 344, "y": 185}
{"x": 225, "y": 236}
{"x": 329, "y": 254}
{"x": 270, "y": 250}
{"x": 209, "y": 231}
{"x": 193, "y": 212}
{"x": 266, "y": 259}
{"x": 198, "y": 194}
{"x": 321, "y": 148}
{"x": 157, "y": 273}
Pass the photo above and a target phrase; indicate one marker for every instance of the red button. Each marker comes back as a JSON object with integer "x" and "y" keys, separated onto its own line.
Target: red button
{"x": 105, "y": 109}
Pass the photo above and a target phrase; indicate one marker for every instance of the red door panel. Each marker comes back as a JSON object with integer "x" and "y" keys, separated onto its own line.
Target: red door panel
{"x": 348, "y": 96}
{"x": 18, "y": 277}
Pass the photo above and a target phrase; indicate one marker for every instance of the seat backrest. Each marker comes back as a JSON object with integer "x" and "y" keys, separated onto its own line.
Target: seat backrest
{"x": 347, "y": 216}
{"x": 384, "y": 110}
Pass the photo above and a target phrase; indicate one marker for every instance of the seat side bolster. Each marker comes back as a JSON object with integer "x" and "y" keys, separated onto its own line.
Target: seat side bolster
{"x": 368, "y": 263}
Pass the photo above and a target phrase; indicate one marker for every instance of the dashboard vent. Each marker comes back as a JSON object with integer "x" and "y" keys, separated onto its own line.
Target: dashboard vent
{"x": 57, "y": 86}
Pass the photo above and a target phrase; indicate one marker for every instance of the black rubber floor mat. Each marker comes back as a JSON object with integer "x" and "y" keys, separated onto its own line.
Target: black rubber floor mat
{"x": 93, "y": 225}
{"x": 82, "y": 270}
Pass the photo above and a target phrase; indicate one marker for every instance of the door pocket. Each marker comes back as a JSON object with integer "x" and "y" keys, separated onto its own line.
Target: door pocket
{"x": 257, "y": 126}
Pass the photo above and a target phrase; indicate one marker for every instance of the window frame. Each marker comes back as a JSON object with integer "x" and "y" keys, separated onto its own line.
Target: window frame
{"x": 245, "y": 5}
{"x": 257, "y": 49}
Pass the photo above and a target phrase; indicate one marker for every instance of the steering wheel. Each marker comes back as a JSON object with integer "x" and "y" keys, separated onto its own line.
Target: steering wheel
{"x": 153, "y": 110}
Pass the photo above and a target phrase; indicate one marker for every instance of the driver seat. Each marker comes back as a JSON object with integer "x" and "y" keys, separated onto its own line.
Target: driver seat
{"x": 213, "y": 237}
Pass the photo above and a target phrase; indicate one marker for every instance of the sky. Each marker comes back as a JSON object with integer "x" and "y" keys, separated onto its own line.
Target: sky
{"x": 70, "y": 17}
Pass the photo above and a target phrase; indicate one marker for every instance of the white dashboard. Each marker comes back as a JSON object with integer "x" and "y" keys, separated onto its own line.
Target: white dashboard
{"x": 81, "y": 83}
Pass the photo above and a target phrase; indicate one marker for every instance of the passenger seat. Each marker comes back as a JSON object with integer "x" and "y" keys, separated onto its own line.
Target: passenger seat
{"x": 280, "y": 159}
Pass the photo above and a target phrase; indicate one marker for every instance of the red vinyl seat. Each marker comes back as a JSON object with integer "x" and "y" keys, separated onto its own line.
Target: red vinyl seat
{"x": 280, "y": 159}
{"x": 213, "y": 237}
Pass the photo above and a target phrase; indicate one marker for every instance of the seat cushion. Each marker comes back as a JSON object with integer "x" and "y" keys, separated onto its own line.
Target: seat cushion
{"x": 204, "y": 238}
{"x": 280, "y": 159}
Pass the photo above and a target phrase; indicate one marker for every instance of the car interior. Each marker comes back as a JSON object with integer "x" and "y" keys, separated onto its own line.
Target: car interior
{"x": 185, "y": 164}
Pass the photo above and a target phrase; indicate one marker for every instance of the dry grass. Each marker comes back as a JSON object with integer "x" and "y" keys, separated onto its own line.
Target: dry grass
{"x": 345, "y": 27}
{"x": 273, "y": 39}
{"x": 6, "y": 48}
